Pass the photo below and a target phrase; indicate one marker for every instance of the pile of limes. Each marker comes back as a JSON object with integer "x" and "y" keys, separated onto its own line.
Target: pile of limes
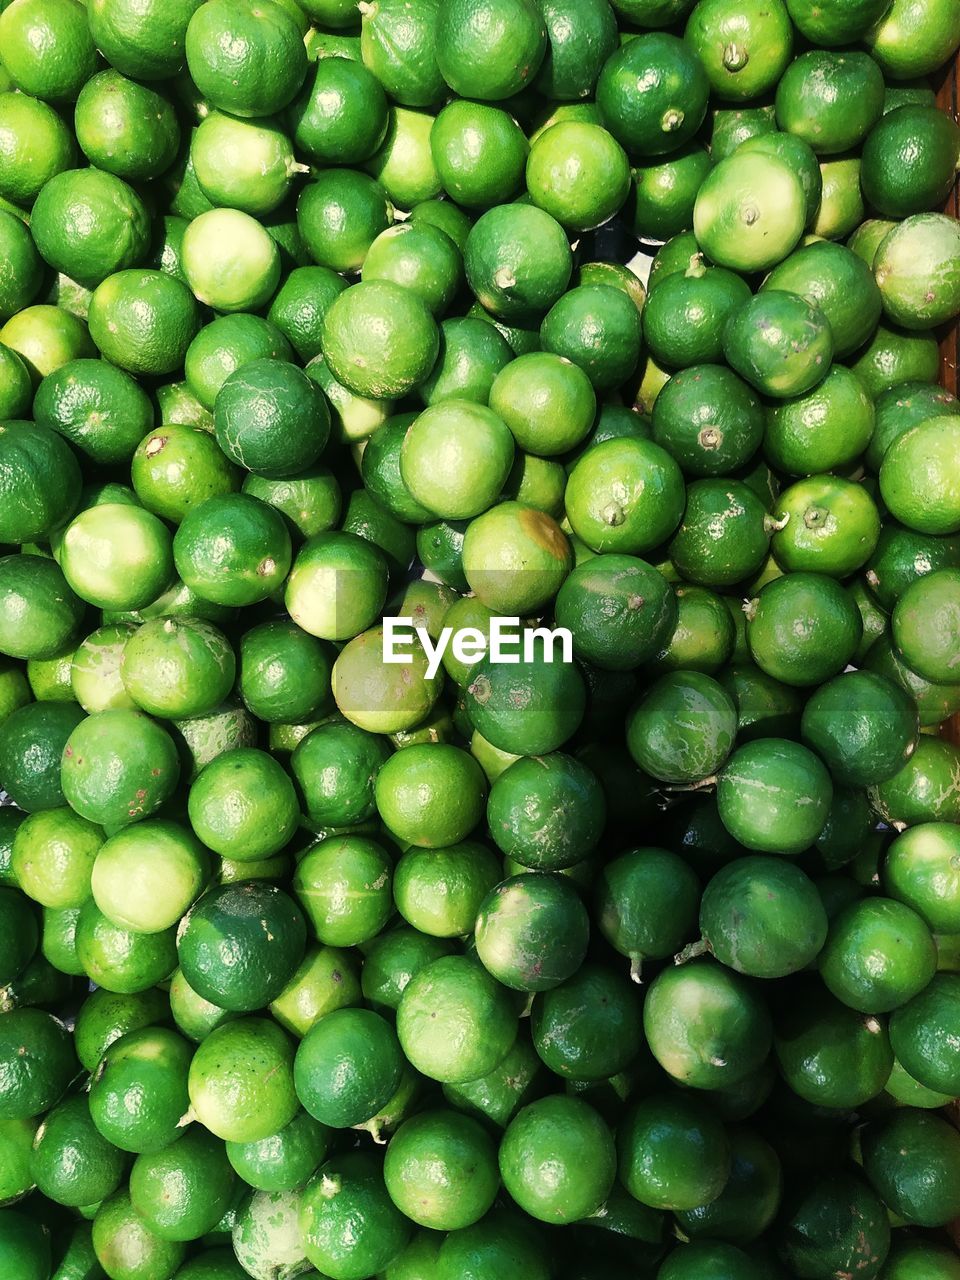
{"x": 638, "y": 962}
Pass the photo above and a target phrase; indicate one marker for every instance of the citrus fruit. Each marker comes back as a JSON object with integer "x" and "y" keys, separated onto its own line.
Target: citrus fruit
{"x": 489, "y": 49}
{"x": 652, "y": 94}
{"x": 750, "y": 211}
{"x": 247, "y": 59}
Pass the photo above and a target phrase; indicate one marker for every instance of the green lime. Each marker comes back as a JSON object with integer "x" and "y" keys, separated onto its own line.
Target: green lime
{"x": 341, "y": 115}
{"x": 479, "y": 152}
{"x": 580, "y": 38}
{"x": 546, "y": 812}
{"x": 373, "y": 694}
{"x": 53, "y": 856}
{"x": 472, "y": 354}
{"x": 46, "y": 337}
{"x": 588, "y": 1027}
{"x": 143, "y": 321}
{"x": 241, "y": 1080}
{"x": 126, "y": 128}
{"x": 801, "y": 436}
{"x": 120, "y": 959}
{"x": 518, "y": 262}
{"x": 902, "y": 407}
{"x": 380, "y": 339}
{"x": 40, "y": 1063}
{"x": 178, "y": 667}
{"x": 340, "y": 214}
{"x": 647, "y": 904}
{"x": 397, "y": 44}
{"x": 779, "y": 342}
{"x": 673, "y": 1153}
{"x": 439, "y": 892}
{"x": 683, "y": 320}
{"x": 72, "y": 1163}
{"x": 744, "y": 54}
{"x": 284, "y": 1160}
{"x": 233, "y": 549}
{"x": 146, "y": 877}
{"x": 683, "y": 728}
{"x": 722, "y": 539}
{"x": 271, "y": 418}
{"x": 909, "y": 160}
{"x": 916, "y": 268}
{"x": 502, "y": 1244}
{"x": 834, "y": 279}
{"x": 878, "y": 955}
{"x": 227, "y": 344}
{"x": 863, "y": 727}
{"x": 763, "y": 917}
{"x": 922, "y": 789}
{"x": 138, "y": 1093}
{"x": 731, "y": 126}
{"x": 893, "y": 356}
{"x": 912, "y": 1159}
{"x": 835, "y": 1223}
{"x": 176, "y": 468}
{"x": 415, "y": 792}
{"x": 797, "y": 788}
{"x": 625, "y": 496}
{"x": 923, "y": 1034}
{"x": 558, "y": 1160}
{"x": 652, "y": 94}
{"x": 404, "y": 168}
{"x": 530, "y": 708}
{"x": 32, "y": 740}
{"x": 299, "y": 305}
{"x": 579, "y": 174}
{"x": 89, "y": 224}
{"x": 921, "y": 870}
{"x": 344, "y": 886}
{"x": 336, "y": 767}
{"x": 706, "y": 1026}
{"x": 531, "y": 931}
{"x": 420, "y": 258}
{"x": 347, "y": 1067}
{"x": 142, "y": 39}
{"x": 664, "y": 191}
{"x": 547, "y": 402}
{"x": 230, "y": 261}
{"x": 514, "y": 558}
{"x": 597, "y": 327}
{"x": 803, "y": 628}
{"x": 441, "y": 1170}
{"x": 39, "y": 481}
{"x": 922, "y": 457}
{"x": 23, "y": 270}
{"x": 95, "y": 670}
{"x": 16, "y": 387}
{"x": 193, "y": 1016}
{"x": 831, "y": 100}
{"x": 117, "y": 556}
{"x": 48, "y": 49}
{"x": 708, "y": 419}
{"x": 100, "y": 409}
{"x": 245, "y": 59}
{"x": 456, "y": 457}
{"x": 326, "y": 979}
{"x": 125, "y": 1246}
{"x": 105, "y": 1016}
{"x": 35, "y": 145}
{"x": 118, "y": 766}
{"x": 348, "y": 1224}
{"x": 240, "y": 944}
{"x": 489, "y": 49}
{"x": 913, "y": 1259}
{"x": 749, "y": 1202}
{"x": 912, "y": 39}
{"x": 455, "y": 1023}
{"x": 826, "y": 525}
{"x": 337, "y": 586}
{"x": 619, "y": 610}
{"x": 750, "y": 211}
{"x": 183, "y": 1191}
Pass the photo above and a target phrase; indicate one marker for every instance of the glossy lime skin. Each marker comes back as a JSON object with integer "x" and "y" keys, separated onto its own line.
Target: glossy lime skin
{"x": 348, "y": 1224}
{"x": 547, "y": 812}
{"x": 780, "y": 343}
{"x": 243, "y": 805}
{"x": 833, "y": 278}
{"x": 673, "y": 1154}
{"x": 441, "y": 1170}
{"x": 106, "y": 1016}
{"x": 118, "y": 766}
{"x": 39, "y": 613}
{"x": 797, "y": 791}
{"x": 862, "y": 726}
{"x": 912, "y": 1159}
{"x": 455, "y": 1023}
{"x": 683, "y": 729}
{"x": 922, "y": 869}
{"x": 763, "y": 917}
{"x": 271, "y": 418}
{"x": 344, "y": 886}
{"x": 138, "y": 1093}
{"x": 878, "y": 955}
{"x": 240, "y": 944}
{"x": 530, "y": 708}
{"x": 749, "y": 1202}
{"x": 803, "y": 628}
{"x": 184, "y": 1190}
{"x": 557, "y": 1159}
{"x": 347, "y": 1067}
{"x": 620, "y": 611}
{"x": 646, "y": 903}
{"x": 431, "y": 796}
{"x": 588, "y": 1028}
{"x": 32, "y": 740}
{"x": 532, "y": 931}
{"x": 336, "y": 767}
{"x": 923, "y": 1033}
{"x": 706, "y": 1026}
{"x": 502, "y": 1244}
{"x": 232, "y": 550}
{"x": 837, "y": 1224}
{"x": 652, "y": 94}
{"x": 625, "y": 496}
{"x": 119, "y": 959}
{"x": 829, "y": 1054}
{"x": 286, "y": 1159}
